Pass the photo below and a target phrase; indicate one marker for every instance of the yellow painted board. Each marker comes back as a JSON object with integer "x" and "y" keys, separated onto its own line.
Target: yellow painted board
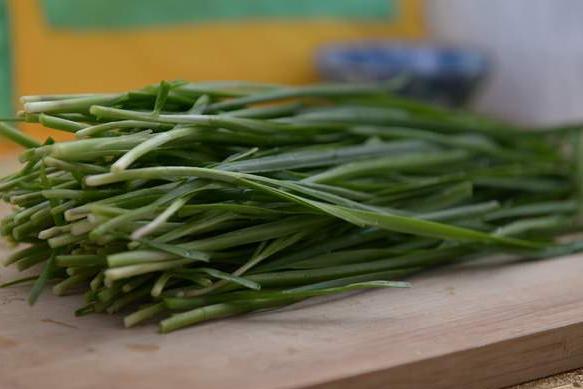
{"x": 49, "y": 59}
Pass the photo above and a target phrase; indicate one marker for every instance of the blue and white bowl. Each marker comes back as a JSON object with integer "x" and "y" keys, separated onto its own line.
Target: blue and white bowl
{"x": 439, "y": 74}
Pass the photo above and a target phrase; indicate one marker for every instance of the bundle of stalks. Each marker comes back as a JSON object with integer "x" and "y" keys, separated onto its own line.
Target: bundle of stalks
{"x": 196, "y": 201}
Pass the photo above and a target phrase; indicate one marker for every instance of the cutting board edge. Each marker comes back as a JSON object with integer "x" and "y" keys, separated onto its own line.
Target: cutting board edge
{"x": 548, "y": 352}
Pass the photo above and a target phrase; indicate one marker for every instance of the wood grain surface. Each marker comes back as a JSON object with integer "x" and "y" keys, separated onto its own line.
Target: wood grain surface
{"x": 479, "y": 326}
{"x": 473, "y": 326}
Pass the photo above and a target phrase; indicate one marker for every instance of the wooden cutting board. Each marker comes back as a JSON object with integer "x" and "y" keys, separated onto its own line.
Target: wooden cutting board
{"x": 479, "y": 326}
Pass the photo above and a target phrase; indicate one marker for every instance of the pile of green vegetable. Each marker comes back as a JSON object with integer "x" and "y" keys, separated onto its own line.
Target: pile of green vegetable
{"x": 197, "y": 201}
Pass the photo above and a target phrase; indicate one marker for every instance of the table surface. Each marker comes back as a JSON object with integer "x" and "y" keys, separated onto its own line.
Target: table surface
{"x": 569, "y": 380}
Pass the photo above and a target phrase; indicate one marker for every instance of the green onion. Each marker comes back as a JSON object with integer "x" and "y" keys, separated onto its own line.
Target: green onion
{"x": 190, "y": 202}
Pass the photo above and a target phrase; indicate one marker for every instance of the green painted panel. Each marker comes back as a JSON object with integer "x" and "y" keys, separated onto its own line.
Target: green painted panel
{"x": 5, "y": 62}
{"x": 105, "y": 14}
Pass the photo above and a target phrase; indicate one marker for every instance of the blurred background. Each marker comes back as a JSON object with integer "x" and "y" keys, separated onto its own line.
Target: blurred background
{"x": 519, "y": 59}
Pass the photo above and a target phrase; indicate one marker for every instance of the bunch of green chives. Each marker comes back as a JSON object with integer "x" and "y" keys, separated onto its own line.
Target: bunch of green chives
{"x": 196, "y": 201}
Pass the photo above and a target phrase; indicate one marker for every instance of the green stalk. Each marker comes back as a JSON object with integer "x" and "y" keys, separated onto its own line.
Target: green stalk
{"x": 143, "y": 315}
{"x": 122, "y": 272}
{"x": 17, "y": 136}
{"x": 75, "y": 104}
{"x": 219, "y": 311}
